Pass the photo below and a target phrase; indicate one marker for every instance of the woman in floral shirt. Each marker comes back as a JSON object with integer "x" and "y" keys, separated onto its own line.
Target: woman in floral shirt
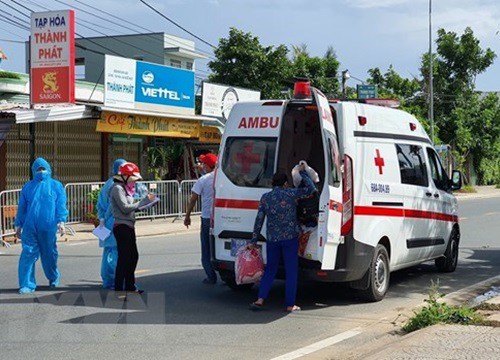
{"x": 280, "y": 207}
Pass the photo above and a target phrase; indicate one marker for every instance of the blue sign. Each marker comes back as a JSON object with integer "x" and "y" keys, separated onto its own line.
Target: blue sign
{"x": 164, "y": 85}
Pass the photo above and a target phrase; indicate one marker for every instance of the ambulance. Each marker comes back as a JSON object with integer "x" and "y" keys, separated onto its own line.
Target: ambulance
{"x": 385, "y": 201}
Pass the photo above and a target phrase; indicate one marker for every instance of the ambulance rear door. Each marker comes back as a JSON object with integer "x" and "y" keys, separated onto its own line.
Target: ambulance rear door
{"x": 330, "y": 211}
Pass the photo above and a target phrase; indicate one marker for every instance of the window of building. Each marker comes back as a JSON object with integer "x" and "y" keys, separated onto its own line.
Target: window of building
{"x": 412, "y": 164}
{"x": 189, "y": 65}
{"x": 249, "y": 162}
{"x": 175, "y": 63}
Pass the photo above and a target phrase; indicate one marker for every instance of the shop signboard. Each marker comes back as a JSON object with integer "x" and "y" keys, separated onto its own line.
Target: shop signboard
{"x": 119, "y": 123}
{"x": 218, "y": 100}
{"x": 210, "y": 135}
{"x": 52, "y": 57}
{"x": 140, "y": 85}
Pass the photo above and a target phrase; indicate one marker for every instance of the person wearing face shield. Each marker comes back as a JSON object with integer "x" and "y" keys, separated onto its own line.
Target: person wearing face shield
{"x": 124, "y": 207}
{"x": 106, "y": 219}
{"x": 41, "y": 213}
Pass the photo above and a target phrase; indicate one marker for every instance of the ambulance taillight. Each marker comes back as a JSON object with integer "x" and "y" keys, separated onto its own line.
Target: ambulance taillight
{"x": 347, "y": 197}
{"x": 302, "y": 90}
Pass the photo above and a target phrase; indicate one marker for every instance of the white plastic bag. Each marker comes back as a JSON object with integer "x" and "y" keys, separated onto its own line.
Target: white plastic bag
{"x": 310, "y": 171}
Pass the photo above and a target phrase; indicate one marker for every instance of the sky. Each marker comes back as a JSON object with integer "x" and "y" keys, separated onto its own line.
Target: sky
{"x": 364, "y": 33}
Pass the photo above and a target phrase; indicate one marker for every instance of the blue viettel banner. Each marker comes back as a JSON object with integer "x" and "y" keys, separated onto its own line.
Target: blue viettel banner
{"x": 164, "y": 86}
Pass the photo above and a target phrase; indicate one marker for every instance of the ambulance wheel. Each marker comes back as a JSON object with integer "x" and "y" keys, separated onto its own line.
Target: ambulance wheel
{"x": 378, "y": 275}
{"x": 228, "y": 278}
{"x": 448, "y": 262}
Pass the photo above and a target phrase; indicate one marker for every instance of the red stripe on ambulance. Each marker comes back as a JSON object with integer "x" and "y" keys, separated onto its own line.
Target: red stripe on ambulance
{"x": 407, "y": 213}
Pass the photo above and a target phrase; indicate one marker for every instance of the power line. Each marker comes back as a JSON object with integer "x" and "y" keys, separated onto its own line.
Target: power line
{"x": 176, "y": 24}
{"x": 115, "y": 23}
{"x": 10, "y": 32}
{"x": 13, "y": 41}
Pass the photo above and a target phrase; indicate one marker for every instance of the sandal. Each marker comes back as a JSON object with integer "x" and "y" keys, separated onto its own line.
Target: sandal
{"x": 293, "y": 308}
{"x": 256, "y": 307}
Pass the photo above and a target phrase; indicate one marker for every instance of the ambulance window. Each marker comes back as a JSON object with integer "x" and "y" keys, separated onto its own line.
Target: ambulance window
{"x": 333, "y": 160}
{"x": 249, "y": 162}
{"x": 412, "y": 165}
{"x": 438, "y": 174}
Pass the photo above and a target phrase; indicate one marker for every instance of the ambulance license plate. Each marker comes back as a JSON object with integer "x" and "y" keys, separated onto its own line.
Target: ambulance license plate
{"x": 236, "y": 244}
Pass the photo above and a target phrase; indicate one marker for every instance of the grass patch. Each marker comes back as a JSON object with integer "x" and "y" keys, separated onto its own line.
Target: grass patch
{"x": 438, "y": 312}
{"x": 467, "y": 189}
{"x": 9, "y": 75}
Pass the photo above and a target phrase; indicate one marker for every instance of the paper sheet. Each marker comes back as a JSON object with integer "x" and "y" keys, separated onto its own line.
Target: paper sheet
{"x": 149, "y": 205}
{"x": 101, "y": 232}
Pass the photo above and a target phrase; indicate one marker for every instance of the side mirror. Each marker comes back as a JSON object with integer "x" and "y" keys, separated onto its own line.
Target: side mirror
{"x": 456, "y": 180}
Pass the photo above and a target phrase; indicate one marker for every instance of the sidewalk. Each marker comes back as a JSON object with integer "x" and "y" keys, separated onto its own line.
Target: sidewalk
{"x": 156, "y": 227}
{"x": 482, "y": 192}
{"x": 446, "y": 341}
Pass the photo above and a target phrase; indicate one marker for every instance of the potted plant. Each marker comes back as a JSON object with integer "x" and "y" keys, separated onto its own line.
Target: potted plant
{"x": 92, "y": 198}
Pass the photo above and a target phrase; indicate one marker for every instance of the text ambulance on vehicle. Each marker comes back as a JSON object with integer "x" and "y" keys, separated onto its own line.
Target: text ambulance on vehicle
{"x": 385, "y": 200}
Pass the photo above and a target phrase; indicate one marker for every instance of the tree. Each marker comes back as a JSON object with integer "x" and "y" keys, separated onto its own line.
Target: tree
{"x": 241, "y": 60}
{"x": 321, "y": 72}
{"x": 458, "y": 108}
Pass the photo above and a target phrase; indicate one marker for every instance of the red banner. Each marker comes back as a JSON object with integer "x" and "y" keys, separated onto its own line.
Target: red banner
{"x": 52, "y": 57}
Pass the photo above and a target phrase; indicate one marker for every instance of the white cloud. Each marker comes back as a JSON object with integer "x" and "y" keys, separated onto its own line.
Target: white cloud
{"x": 370, "y": 4}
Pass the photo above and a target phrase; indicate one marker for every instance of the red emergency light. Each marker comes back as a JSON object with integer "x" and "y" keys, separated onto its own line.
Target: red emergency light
{"x": 362, "y": 120}
{"x": 302, "y": 90}
{"x": 413, "y": 126}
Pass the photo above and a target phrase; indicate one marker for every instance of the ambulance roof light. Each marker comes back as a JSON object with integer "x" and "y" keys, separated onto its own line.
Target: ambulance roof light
{"x": 302, "y": 90}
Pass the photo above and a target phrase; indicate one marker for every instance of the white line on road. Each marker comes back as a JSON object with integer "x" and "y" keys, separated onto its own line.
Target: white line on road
{"x": 76, "y": 243}
{"x": 319, "y": 345}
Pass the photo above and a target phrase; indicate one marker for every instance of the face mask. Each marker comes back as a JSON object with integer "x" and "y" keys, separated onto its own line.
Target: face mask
{"x": 42, "y": 175}
{"x": 130, "y": 187}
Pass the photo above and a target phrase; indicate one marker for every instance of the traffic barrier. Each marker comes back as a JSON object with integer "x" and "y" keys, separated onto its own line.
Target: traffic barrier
{"x": 80, "y": 204}
{"x": 166, "y": 191}
{"x": 8, "y": 211}
{"x": 184, "y": 195}
{"x": 174, "y": 198}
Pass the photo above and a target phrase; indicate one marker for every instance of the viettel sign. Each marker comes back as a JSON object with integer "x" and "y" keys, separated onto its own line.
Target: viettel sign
{"x": 52, "y": 57}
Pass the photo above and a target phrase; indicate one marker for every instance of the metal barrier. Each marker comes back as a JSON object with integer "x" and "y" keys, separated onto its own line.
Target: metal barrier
{"x": 167, "y": 192}
{"x": 8, "y": 211}
{"x": 174, "y": 198}
{"x": 79, "y": 204}
{"x": 184, "y": 195}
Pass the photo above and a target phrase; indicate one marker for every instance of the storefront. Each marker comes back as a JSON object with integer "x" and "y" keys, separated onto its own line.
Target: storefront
{"x": 143, "y": 136}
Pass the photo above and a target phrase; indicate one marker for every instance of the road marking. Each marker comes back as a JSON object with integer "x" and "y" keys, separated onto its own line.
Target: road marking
{"x": 76, "y": 243}
{"x": 142, "y": 271}
{"x": 491, "y": 213}
{"x": 463, "y": 218}
{"x": 319, "y": 345}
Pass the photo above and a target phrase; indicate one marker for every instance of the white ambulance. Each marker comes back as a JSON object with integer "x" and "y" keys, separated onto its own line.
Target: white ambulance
{"x": 385, "y": 200}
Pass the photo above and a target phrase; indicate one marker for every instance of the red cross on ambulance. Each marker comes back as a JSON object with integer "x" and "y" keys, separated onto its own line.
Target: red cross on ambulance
{"x": 379, "y": 162}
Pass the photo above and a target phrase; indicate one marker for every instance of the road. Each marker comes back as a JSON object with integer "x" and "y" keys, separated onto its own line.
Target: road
{"x": 181, "y": 318}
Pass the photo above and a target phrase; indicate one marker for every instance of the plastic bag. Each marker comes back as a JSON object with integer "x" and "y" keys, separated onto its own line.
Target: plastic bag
{"x": 308, "y": 242}
{"x": 248, "y": 267}
{"x": 297, "y": 178}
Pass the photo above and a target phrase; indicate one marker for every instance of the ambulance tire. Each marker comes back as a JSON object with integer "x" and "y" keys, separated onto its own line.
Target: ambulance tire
{"x": 228, "y": 278}
{"x": 378, "y": 275}
{"x": 448, "y": 262}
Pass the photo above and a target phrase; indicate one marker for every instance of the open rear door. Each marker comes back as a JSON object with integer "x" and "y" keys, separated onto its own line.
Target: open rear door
{"x": 330, "y": 211}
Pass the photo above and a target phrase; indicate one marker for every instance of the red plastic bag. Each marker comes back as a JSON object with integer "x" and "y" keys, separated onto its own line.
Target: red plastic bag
{"x": 248, "y": 267}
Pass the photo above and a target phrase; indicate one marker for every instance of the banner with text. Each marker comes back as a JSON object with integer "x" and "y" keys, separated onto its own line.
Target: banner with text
{"x": 52, "y": 57}
{"x": 218, "y": 100}
{"x": 118, "y": 123}
{"x": 140, "y": 85}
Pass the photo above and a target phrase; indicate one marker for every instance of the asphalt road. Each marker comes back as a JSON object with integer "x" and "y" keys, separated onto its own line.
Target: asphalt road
{"x": 181, "y": 318}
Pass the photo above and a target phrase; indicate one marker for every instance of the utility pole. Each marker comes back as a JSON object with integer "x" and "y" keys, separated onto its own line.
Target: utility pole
{"x": 431, "y": 70}
{"x": 31, "y": 125}
{"x": 345, "y": 76}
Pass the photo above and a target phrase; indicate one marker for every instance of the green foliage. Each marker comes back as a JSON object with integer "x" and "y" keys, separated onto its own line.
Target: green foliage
{"x": 9, "y": 75}
{"x": 437, "y": 312}
{"x": 160, "y": 158}
{"x": 469, "y": 189}
{"x": 322, "y": 72}
{"x": 241, "y": 60}
{"x": 92, "y": 198}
